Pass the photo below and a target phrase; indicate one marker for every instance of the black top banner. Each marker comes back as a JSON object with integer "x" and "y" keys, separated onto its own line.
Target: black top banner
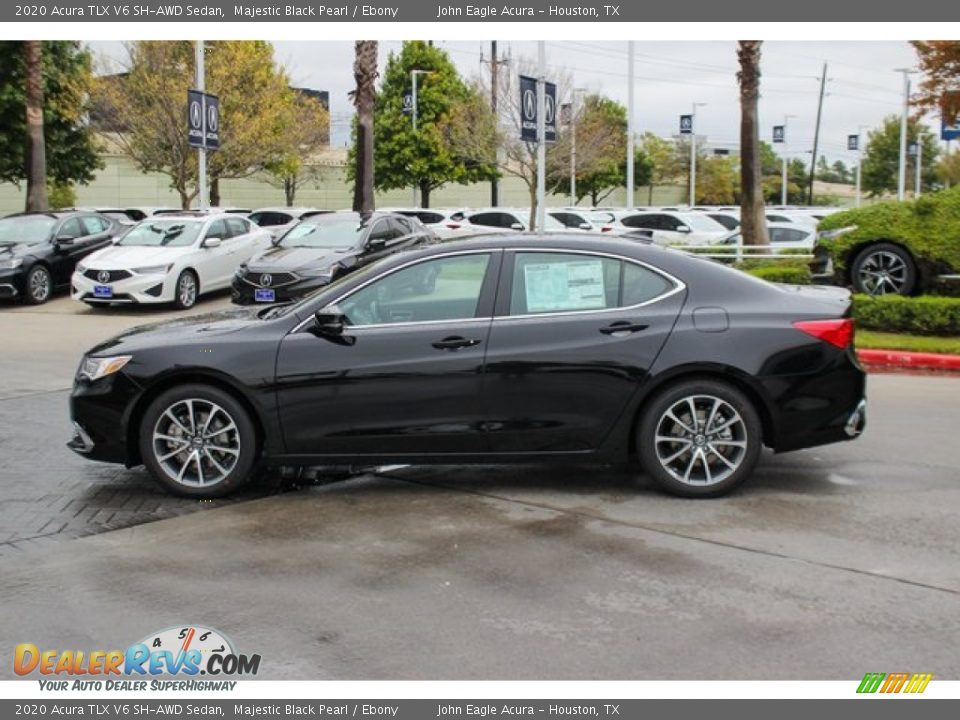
{"x": 432, "y": 11}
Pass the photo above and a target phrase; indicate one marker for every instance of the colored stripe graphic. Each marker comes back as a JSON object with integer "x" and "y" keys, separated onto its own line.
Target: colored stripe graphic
{"x": 895, "y": 682}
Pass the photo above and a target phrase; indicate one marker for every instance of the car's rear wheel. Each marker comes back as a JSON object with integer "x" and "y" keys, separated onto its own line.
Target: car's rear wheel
{"x": 699, "y": 438}
{"x": 198, "y": 441}
{"x": 39, "y": 285}
{"x": 884, "y": 269}
{"x": 186, "y": 290}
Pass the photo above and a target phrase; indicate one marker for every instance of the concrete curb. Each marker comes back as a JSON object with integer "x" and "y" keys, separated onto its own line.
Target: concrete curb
{"x": 902, "y": 360}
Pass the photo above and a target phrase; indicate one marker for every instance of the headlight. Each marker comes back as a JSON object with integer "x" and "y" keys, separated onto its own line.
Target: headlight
{"x": 153, "y": 270}
{"x": 94, "y": 368}
{"x": 11, "y": 264}
{"x": 242, "y": 270}
{"x": 316, "y": 273}
{"x": 81, "y": 268}
{"x": 830, "y": 234}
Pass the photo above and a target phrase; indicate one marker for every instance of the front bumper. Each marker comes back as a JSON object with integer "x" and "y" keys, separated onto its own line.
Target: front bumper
{"x": 154, "y": 288}
{"x": 11, "y": 283}
{"x": 243, "y": 292}
{"x": 101, "y": 413}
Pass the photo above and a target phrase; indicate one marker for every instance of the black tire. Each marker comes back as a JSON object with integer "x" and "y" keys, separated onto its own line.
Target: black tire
{"x": 183, "y": 300}
{"x": 199, "y": 481}
{"x": 693, "y": 453}
{"x": 38, "y": 286}
{"x": 884, "y": 269}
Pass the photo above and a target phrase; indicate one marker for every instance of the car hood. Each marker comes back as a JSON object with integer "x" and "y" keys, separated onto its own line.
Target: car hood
{"x": 295, "y": 258}
{"x": 131, "y": 256}
{"x": 13, "y": 250}
{"x": 179, "y": 331}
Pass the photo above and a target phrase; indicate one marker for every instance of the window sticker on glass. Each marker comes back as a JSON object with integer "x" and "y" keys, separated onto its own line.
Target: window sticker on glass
{"x": 560, "y": 286}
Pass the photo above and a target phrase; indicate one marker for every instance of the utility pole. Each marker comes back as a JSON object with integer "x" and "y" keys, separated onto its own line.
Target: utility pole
{"x": 494, "y": 73}
{"x": 630, "y": 130}
{"x": 904, "y": 120}
{"x": 783, "y": 179}
{"x": 917, "y": 190}
{"x": 202, "y": 150}
{"x": 414, "y": 74}
{"x": 693, "y": 153}
{"x": 859, "y": 159}
{"x": 541, "y": 135}
{"x": 816, "y": 136}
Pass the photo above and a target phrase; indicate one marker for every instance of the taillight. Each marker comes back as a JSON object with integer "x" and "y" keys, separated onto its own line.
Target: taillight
{"x": 836, "y": 332}
{"x": 606, "y": 228}
{"x": 453, "y": 226}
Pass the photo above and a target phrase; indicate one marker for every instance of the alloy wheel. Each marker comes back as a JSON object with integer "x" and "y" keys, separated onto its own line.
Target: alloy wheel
{"x": 196, "y": 443}
{"x": 187, "y": 290}
{"x": 883, "y": 272}
{"x": 701, "y": 440}
{"x": 39, "y": 285}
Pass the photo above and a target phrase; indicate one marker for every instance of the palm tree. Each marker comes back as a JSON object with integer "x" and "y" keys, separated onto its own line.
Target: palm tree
{"x": 752, "y": 216}
{"x": 365, "y": 74}
{"x": 36, "y": 153}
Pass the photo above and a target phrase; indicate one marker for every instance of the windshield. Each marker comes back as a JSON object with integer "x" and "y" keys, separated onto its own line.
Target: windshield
{"x": 26, "y": 229}
{"x": 165, "y": 233}
{"x": 337, "y": 233}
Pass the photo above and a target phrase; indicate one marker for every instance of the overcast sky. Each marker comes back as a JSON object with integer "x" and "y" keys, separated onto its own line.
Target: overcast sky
{"x": 862, "y": 86}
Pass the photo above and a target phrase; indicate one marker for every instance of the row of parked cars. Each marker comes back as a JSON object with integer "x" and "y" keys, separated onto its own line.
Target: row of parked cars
{"x": 110, "y": 256}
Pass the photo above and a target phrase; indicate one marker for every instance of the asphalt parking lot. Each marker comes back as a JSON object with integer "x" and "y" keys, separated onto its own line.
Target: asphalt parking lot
{"x": 829, "y": 563}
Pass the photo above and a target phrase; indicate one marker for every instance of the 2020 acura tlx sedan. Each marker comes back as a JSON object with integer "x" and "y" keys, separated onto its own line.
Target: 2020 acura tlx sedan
{"x": 524, "y": 349}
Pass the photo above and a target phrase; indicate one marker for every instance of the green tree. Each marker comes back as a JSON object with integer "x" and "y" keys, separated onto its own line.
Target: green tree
{"x": 425, "y": 157}
{"x": 303, "y": 140}
{"x": 881, "y": 157}
{"x": 145, "y": 109}
{"x": 71, "y": 151}
{"x": 717, "y": 180}
{"x": 666, "y": 167}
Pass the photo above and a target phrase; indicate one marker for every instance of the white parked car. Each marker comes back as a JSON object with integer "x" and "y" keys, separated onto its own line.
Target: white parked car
{"x": 674, "y": 228}
{"x": 783, "y": 236}
{"x": 581, "y": 218}
{"x": 443, "y": 221}
{"x": 277, "y": 220}
{"x": 505, "y": 219}
{"x": 169, "y": 259}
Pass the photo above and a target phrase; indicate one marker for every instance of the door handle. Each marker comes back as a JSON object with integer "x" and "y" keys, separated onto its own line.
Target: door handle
{"x": 454, "y": 342}
{"x": 622, "y": 326}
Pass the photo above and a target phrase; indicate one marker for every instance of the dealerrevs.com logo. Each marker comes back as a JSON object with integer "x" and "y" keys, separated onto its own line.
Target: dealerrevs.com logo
{"x": 899, "y": 682}
{"x": 190, "y": 650}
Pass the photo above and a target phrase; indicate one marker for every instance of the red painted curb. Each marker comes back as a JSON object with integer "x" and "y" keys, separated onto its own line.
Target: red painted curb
{"x": 909, "y": 360}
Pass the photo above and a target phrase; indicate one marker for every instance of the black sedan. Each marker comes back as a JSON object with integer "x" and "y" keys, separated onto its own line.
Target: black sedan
{"x": 39, "y": 251}
{"x": 321, "y": 248}
{"x": 524, "y": 349}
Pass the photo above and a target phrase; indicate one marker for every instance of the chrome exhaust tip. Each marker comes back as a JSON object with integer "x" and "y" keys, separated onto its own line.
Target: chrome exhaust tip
{"x": 857, "y": 420}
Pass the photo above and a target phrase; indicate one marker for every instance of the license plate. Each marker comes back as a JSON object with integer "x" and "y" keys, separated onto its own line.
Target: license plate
{"x": 264, "y": 295}
{"x": 102, "y": 291}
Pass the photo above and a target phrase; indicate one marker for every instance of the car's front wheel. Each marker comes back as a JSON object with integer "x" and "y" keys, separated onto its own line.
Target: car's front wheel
{"x": 198, "y": 441}
{"x": 699, "y": 438}
{"x": 39, "y": 285}
{"x": 186, "y": 290}
{"x": 884, "y": 269}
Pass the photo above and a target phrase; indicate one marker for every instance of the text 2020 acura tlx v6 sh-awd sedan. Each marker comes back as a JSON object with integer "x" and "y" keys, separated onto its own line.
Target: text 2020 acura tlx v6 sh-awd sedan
{"x": 523, "y": 349}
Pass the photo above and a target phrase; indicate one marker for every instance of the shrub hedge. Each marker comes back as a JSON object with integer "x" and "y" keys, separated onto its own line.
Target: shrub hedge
{"x": 927, "y": 315}
{"x": 783, "y": 273}
{"x": 928, "y": 226}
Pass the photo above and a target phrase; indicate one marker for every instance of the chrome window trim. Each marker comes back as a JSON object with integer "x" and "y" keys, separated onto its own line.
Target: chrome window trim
{"x": 679, "y": 286}
{"x": 411, "y": 263}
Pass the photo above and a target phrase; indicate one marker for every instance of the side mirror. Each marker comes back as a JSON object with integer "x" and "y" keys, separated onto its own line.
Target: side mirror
{"x": 586, "y": 226}
{"x": 376, "y": 243}
{"x": 516, "y": 226}
{"x": 684, "y": 229}
{"x": 213, "y": 242}
{"x": 65, "y": 240}
{"x": 329, "y": 322}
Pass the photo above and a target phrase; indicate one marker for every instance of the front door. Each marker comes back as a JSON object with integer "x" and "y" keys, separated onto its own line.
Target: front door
{"x": 572, "y": 340}
{"x": 406, "y": 375}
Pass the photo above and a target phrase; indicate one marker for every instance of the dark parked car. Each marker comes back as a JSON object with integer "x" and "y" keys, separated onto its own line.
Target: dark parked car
{"x": 39, "y": 251}
{"x": 321, "y": 248}
{"x": 566, "y": 348}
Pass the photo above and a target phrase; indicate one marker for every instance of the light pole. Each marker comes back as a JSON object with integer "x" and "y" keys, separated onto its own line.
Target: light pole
{"x": 783, "y": 179}
{"x": 413, "y": 112}
{"x": 860, "y": 130}
{"x": 630, "y": 151}
{"x": 693, "y": 153}
{"x": 573, "y": 145}
{"x": 904, "y": 118}
{"x": 541, "y": 134}
{"x": 202, "y": 150}
{"x": 920, "y": 137}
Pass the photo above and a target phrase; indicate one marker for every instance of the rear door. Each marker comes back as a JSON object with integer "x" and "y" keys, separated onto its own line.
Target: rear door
{"x": 573, "y": 337}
